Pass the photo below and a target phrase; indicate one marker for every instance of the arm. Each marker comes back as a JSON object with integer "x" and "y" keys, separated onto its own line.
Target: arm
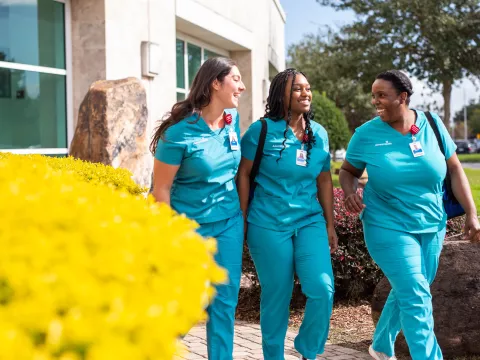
{"x": 325, "y": 197}
{"x": 461, "y": 190}
{"x": 163, "y": 176}
{"x": 249, "y": 150}
{"x": 243, "y": 184}
{"x": 348, "y": 178}
{"x": 460, "y": 185}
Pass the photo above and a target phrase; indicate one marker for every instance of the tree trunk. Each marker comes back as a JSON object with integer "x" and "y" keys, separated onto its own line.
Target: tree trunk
{"x": 447, "y": 96}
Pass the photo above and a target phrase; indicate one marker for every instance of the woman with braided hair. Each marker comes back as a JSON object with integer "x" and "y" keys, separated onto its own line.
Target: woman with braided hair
{"x": 402, "y": 210}
{"x": 290, "y": 218}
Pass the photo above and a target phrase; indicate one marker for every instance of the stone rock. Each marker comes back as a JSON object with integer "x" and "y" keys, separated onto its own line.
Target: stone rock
{"x": 112, "y": 128}
{"x": 456, "y": 300}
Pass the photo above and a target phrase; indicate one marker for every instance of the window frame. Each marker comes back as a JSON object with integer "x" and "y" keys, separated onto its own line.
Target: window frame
{"x": 203, "y": 46}
{"x": 67, "y": 72}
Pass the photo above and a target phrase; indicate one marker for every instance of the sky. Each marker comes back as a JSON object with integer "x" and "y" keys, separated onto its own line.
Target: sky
{"x": 307, "y": 16}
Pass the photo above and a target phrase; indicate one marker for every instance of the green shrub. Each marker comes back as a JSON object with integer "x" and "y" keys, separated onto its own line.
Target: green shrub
{"x": 332, "y": 119}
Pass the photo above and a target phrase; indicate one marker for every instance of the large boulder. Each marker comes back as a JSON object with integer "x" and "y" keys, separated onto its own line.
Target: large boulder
{"x": 456, "y": 300}
{"x": 112, "y": 128}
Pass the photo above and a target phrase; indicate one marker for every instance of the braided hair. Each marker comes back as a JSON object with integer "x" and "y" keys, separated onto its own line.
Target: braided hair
{"x": 399, "y": 80}
{"x": 275, "y": 107}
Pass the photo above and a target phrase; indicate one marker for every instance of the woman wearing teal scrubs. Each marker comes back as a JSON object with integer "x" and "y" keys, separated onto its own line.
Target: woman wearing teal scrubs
{"x": 402, "y": 210}
{"x": 197, "y": 154}
{"x": 290, "y": 219}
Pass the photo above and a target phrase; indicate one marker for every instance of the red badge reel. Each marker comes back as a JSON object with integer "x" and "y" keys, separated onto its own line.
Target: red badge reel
{"x": 227, "y": 118}
{"x": 414, "y": 129}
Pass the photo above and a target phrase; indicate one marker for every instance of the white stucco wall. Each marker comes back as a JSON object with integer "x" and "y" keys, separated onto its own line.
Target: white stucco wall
{"x": 128, "y": 23}
{"x": 250, "y": 30}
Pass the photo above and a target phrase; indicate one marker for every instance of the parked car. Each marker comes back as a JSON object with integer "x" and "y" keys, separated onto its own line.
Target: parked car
{"x": 339, "y": 155}
{"x": 465, "y": 147}
{"x": 477, "y": 144}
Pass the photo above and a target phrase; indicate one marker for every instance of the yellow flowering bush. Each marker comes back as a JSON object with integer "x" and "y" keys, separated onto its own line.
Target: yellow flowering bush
{"x": 95, "y": 173}
{"x": 91, "y": 272}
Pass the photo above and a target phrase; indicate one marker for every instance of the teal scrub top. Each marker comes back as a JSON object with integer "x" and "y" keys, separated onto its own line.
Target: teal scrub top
{"x": 286, "y": 194}
{"x": 204, "y": 188}
{"x": 403, "y": 192}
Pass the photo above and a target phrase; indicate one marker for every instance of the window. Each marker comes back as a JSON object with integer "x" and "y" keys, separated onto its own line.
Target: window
{"x": 33, "y": 77}
{"x": 190, "y": 56}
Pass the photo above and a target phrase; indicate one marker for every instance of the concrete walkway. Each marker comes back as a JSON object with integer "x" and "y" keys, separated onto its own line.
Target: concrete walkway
{"x": 471, "y": 165}
{"x": 248, "y": 345}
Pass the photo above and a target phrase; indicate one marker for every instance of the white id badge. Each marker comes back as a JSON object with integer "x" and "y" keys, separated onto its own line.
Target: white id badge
{"x": 301, "y": 158}
{"x": 417, "y": 149}
{"x": 233, "y": 140}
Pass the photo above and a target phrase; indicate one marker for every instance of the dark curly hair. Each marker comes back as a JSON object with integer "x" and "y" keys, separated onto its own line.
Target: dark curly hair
{"x": 275, "y": 108}
{"x": 399, "y": 80}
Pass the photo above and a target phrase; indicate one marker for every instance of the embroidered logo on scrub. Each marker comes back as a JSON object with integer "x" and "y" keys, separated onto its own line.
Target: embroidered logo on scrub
{"x": 386, "y": 143}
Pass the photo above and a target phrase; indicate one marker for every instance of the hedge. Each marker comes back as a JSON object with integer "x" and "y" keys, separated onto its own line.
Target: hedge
{"x": 89, "y": 270}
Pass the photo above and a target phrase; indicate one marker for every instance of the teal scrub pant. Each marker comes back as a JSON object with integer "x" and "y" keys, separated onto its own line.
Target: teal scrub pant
{"x": 410, "y": 263}
{"x": 221, "y": 312}
{"x": 277, "y": 255}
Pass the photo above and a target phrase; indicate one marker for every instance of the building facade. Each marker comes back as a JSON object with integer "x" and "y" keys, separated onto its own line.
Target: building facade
{"x": 51, "y": 51}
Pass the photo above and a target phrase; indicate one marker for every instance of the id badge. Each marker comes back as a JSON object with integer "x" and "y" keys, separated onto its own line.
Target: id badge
{"x": 417, "y": 149}
{"x": 301, "y": 158}
{"x": 233, "y": 140}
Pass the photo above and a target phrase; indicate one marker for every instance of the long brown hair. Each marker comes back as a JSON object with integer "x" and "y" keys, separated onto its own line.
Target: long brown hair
{"x": 198, "y": 98}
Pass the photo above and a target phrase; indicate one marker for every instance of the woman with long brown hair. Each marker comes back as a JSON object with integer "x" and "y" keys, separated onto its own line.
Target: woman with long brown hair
{"x": 197, "y": 154}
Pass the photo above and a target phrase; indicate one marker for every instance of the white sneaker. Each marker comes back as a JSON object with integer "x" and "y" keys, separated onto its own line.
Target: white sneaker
{"x": 379, "y": 355}
{"x": 304, "y": 358}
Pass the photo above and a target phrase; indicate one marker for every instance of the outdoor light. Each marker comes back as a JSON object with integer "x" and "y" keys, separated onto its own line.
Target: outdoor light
{"x": 150, "y": 59}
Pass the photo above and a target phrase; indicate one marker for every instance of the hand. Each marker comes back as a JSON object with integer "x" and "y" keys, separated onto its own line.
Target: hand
{"x": 471, "y": 229}
{"x": 332, "y": 239}
{"x": 354, "y": 203}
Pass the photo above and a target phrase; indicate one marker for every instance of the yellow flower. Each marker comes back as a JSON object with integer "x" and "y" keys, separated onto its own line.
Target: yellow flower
{"x": 91, "y": 269}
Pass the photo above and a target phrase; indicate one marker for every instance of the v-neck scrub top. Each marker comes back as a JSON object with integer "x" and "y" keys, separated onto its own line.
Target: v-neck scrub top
{"x": 204, "y": 188}
{"x": 403, "y": 192}
{"x": 286, "y": 194}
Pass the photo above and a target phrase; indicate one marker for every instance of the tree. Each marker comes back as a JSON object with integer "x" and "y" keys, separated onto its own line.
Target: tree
{"x": 473, "y": 118}
{"x": 470, "y": 109}
{"x": 434, "y": 40}
{"x": 332, "y": 119}
{"x": 314, "y": 57}
{"x": 474, "y": 122}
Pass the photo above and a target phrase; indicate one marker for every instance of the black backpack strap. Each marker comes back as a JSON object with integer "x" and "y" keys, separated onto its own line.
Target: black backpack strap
{"x": 434, "y": 126}
{"x": 259, "y": 153}
{"x": 448, "y": 180}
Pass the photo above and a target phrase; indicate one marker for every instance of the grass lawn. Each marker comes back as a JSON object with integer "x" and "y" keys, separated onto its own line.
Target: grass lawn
{"x": 336, "y": 183}
{"x": 469, "y": 157}
{"x": 474, "y": 179}
{"x": 335, "y": 165}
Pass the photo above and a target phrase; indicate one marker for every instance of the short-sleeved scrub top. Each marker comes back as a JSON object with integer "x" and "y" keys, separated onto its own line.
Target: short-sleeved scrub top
{"x": 204, "y": 188}
{"x": 286, "y": 193}
{"x": 403, "y": 192}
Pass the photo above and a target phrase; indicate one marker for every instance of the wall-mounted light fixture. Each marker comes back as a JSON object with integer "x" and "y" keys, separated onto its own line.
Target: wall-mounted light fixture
{"x": 150, "y": 59}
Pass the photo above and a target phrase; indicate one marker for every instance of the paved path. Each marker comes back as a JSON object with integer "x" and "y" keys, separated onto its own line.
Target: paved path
{"x": 471, "y": 165}
{"x": 248, "y": 345}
